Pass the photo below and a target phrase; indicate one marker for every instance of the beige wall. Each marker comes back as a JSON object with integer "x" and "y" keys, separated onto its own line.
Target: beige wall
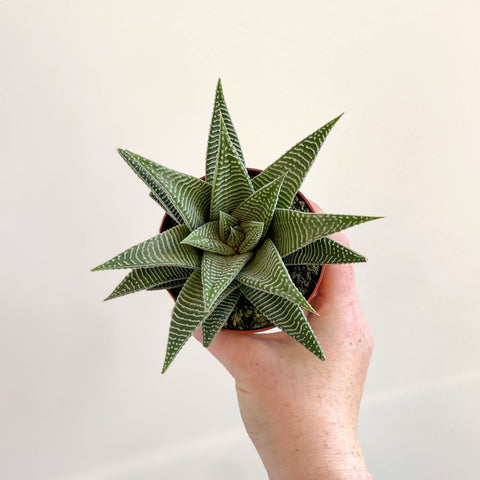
{"x": 81, "y": 393}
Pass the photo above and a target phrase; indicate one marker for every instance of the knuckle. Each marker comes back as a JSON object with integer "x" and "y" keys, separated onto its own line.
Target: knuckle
{"x": 340, "y": 238}
{"x": 369, "y": 339}
{"x": 343, "y": 239}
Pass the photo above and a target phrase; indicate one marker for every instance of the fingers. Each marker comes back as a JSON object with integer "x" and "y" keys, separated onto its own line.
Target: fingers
{"x": 224, "y": 347}
{"x": 339, "y": 280}
{"x": 217, "y": 348}
{"x": 340, "y": 238}
{"x": 341, "y": 326}
{"x": 198, "y": 334}
{"x": 338, "y": 283}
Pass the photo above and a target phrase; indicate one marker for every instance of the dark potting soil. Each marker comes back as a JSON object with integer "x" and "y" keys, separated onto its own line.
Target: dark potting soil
{"x": 245, "y": 316}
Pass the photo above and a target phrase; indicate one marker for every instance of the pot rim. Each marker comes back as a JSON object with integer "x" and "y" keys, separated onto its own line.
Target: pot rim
{"x": 313, "y": 209}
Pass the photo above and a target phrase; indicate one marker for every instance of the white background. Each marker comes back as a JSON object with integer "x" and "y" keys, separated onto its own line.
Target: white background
{"x": 82, "y": 397}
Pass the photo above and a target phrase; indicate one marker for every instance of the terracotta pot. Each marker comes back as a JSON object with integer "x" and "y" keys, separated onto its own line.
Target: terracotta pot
{"x": 313, "y": 208}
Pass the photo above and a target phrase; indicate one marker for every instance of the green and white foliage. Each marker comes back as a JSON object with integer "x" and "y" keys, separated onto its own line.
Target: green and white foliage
{"x": 235, "y": 235}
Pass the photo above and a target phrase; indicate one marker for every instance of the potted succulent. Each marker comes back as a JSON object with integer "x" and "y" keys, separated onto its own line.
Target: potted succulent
{"x": 229, "y": 240}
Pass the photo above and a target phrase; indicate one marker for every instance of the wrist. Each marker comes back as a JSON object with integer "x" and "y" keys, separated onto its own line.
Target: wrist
{"x": 303, "y": 442}
{"x": 324, "y": 462}
{"x": 302, "y": 448}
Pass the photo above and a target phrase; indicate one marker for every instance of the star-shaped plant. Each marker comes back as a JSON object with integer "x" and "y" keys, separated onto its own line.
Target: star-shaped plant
{"x": 235, "y": 235}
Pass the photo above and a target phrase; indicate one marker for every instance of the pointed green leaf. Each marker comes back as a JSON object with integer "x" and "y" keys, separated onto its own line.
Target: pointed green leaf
{"x": 322, "y": 252}
{"x": 207, "y": 237}
{"x": 267, "y": 272}
{"x": 159, "y": 202}
{"x": 260, "y": 206}
{"x": 219, "y": 109}
{"x": 226, "y": 221}
{"x": 164, "y": 249}
{"x": 157, "y": 193}
{"x": 218, "y": 272}
{"x": 217, "y": 319}
{"x": 169, "y": 285}
{"x": 235, "y": 237}
{"x": 291, "y": 230}
{"x": 186, "y": 317}
{"x": 286, "y": 316}
{"x": 189, "y": 196}
{"x": 188, "y": 314}
{"x": 253, "y": 233}
{"x": 294, "y": 165}
{"x": 146, "y": 278}
{"x": 231, "y": 183}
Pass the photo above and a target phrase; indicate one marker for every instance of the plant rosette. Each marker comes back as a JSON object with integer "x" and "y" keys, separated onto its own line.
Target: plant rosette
{"x": 311, "y": 276}
{"x": 234, "y": 239}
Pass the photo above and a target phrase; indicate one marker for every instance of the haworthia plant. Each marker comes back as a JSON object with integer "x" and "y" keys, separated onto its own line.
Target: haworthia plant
{"x": 235, "y": 235}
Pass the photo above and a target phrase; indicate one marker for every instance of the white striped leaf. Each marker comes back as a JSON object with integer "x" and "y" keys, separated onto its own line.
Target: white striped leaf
{"x": 231, "y": 183}
{"x": 322, "y": 252}
{"x": 226, "y": 221}
{"x": 159, "y": 202}
{"x": 291, "y": 230}
{"x": 188, "y": 314}
{"x": 219, "y": 109}
{"x": 145, "y": 278}
{"x": 260, "y": 206}
{"x": 235, "y": 237}
{"x": 253, "y": 233}
{"x": 218, "y": 272}
{"x": 267, "y": 272}
{"x": 157, "y": 193}
{"x": 285, "y": 315}
{"x": 207, "y": 237}
{"x": 168, "y": 286}
{"x": 189, "y": 195}
{"x": 294, "y": 165}
{"x": 164, "y": 249}
{"x": 217, "y": 319}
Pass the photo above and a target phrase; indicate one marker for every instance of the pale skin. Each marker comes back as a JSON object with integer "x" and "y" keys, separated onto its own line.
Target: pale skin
{"x": 302, "y": 413}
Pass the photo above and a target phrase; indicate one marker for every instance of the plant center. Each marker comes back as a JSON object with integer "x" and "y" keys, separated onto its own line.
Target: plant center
{"x": 235, "y": 237}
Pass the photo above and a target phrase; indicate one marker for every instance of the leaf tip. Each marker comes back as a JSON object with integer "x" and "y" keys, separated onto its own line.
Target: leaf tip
{"x": 306, "y": 305}
{"x": 110, "y": 297}
{"x": 165, "y": 366}
{"x": 369, "y": 219}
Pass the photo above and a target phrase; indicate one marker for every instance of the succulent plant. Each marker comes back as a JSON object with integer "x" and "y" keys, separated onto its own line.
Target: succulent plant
{"x": 234, "y": 235}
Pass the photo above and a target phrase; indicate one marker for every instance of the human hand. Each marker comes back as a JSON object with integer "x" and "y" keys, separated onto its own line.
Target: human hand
{"x": 301, "y": 413}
